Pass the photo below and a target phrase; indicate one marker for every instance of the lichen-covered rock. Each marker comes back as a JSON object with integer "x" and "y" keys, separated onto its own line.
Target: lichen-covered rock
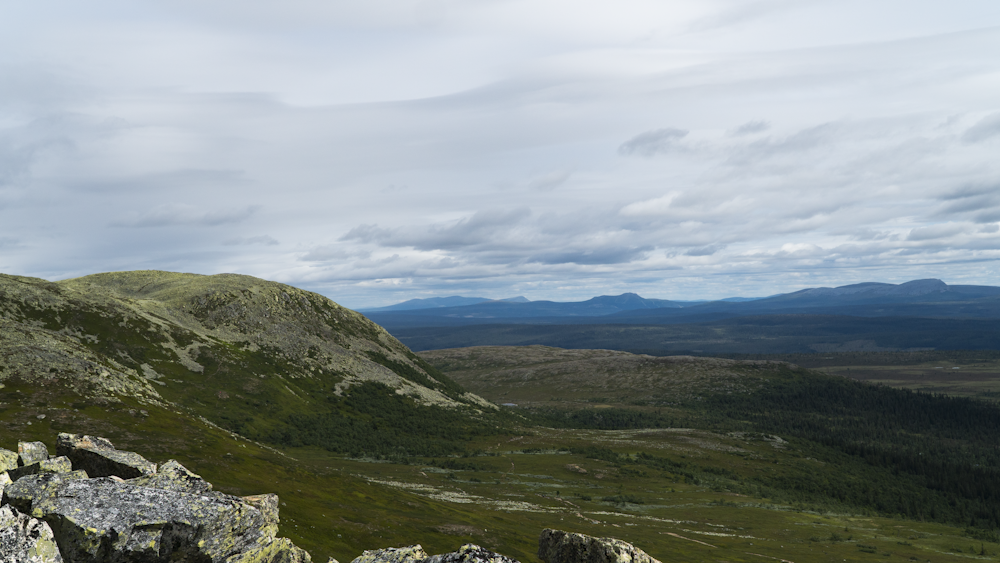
{"x": 21, "y": 494}
{"x": 411, "y": 554}
{"x": 24, "y": 539}
{"x": 59, "y": 464}
{"x": 66, "y": 443}
{"x": 556, "y": 546}
{"x": 281, "y": 550}
{"x": 173, "y": 476}
{"x": 99, "y": 458}
{"x": 31, "y": 452}
{"x": 470, "y": 553}
{"x": 104, "y": 520}
{"x": 267, "y": 504}
{"x": 8, "y": 459}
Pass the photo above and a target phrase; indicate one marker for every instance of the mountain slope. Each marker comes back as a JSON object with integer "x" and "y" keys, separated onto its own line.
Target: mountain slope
{"x": 264, "y": 359}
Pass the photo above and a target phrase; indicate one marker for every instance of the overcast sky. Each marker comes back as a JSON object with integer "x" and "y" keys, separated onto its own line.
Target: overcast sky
{"x": 379, "y": 151}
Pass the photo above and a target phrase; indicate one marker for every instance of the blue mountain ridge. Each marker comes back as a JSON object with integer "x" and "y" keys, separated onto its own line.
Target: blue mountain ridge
{"x": 925, "y": 298}
{"x": 438, "y": 302}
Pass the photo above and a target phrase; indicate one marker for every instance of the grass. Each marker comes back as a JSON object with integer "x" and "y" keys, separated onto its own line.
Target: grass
{"x": 506, "y": 492}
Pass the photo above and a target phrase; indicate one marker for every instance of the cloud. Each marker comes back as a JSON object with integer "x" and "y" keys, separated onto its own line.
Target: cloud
{"x": 984, "y": 129}
{"x": 804, "y": 140}
{"x": 549, "y": 181}
{"x": 652, "y": 143}
{"x": 705, "y": 250}
{"x": 981, "y": 203}
{"x": 512, "y": 146}
{"x": 751, "y": 128}
{"x": 655, "y": 206}
{"x": 482, "y": 228}
{"x": 592, "y": 257}
{"x": 327, "y": 253}
{"x": 23, "y": 145}
{"x": 184, "y": 214}
{"x": 934, "y": 232}
{"x": 264, "y": 240}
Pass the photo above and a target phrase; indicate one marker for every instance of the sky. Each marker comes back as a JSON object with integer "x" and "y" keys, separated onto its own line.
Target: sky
{"x": 381, "y": 151}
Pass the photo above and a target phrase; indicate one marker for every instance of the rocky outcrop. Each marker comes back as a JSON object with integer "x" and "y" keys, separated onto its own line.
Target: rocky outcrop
{"x": 31, "y": 452}
{"x": 556, "y": 546}
{"x": 131, "y": 513}
{"x": 24, "y": 539}
{"x": 410, "y": 554}
{"x": 468, "y": 553}
{"x": 99, "y": 458}
{"x": 52, "y": 465}
{"x": 173, "y": 476}
{"x": 8, "y": 459}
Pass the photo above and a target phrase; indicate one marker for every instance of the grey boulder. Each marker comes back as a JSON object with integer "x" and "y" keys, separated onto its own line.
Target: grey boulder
{"x": 8, "y": 459}
{"x": 468, "y": 553}
{"x": 104, "y": 520}
{"x": 59, "y": 464}
{"x": 24, "y": 539}
{"x": 410, "y": 554}
{"x": 556, "y": 546}
{"x": 99, "y": 458}
{"x": 31, "y": 452}
{"x": 173, "y": 476}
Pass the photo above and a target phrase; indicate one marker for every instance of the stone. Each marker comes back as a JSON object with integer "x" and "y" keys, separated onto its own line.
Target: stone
{"x": 99, "y": 458}
{"x": 8, "y": 459}
{"x": 31, "y": 452}
{"x": 52, "y": 465}
{"x": 65, "y": 443}
{"x": 103, "y": 520}
{"x": 411, "y": 554}
{"x": 470, "y": 553}
{"x": 173, "y": 476}
{"x": 4, "y": 481}
{"x": 267, "y": 504}
{"x": 24, "y": 539}
{"x": 280, "y": 550}
{"x": 37, "y": 485}
{"x": 556, "y": 546}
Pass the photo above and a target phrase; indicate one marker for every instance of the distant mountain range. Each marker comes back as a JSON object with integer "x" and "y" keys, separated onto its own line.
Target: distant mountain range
{"x": 864, "y": 317}
{"x": 519, "y": 307}
{"x": 439, "y": 302}
{"x": 929, "y": 298}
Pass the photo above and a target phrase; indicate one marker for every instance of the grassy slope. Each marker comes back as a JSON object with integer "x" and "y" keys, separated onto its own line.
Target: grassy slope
{"x": 877, "y": 450}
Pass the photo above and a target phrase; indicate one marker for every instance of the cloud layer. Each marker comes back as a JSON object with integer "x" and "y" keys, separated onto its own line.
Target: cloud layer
{"x": 378, "y": 152}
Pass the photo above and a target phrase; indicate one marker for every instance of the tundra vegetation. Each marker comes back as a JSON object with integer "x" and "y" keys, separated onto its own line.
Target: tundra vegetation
{"x": 260, "y": 387}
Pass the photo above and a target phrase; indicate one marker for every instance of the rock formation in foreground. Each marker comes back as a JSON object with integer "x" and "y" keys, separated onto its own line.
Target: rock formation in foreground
{"x": 556, "y": 546}
{"x": 96, "y": 504}
{"x": 93, "y": 503}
